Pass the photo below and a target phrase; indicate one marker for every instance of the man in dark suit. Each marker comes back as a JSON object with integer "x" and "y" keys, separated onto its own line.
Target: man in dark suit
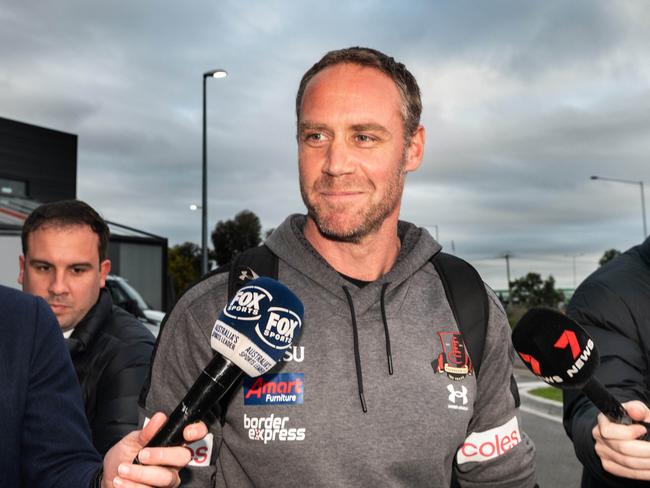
{"x": 45, "y": 436}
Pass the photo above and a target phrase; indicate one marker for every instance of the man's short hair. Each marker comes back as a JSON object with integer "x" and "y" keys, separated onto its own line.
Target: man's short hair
{"x": 363, "y": 56}
{"x": 66, "y": 213}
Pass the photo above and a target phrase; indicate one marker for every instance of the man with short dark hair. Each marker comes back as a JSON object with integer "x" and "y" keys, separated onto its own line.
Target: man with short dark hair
{"x": 379, "y": 392}
{"x": 65, "y": 261}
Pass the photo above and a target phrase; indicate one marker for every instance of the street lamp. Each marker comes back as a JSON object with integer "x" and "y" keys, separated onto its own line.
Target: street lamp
{"x": 217, "y": 73}
{"x": 633, "y": 182}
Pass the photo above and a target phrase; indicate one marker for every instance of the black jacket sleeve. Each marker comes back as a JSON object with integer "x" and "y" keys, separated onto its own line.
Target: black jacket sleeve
{"x": 118, "y": 387}
{"x": 623, "y": 371}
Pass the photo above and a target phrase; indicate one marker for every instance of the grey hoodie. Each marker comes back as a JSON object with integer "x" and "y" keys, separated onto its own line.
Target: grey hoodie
{"x": 304, "y": 426}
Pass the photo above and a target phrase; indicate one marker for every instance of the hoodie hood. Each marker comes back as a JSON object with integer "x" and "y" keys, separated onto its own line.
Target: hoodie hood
{"x": 417, "y": 248}
{"x": 289, "y": 244}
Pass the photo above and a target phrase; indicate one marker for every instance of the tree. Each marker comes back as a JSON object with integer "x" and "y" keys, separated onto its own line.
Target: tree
{"x": 184, "y": 265}
{"x": 532, "y": 291}
{"x": 608, "y": 256}
{"x": 231, "y": 237}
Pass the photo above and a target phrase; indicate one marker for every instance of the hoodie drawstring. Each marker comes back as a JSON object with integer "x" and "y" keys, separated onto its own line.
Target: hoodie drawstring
{"x": 389, "y": 356}
{"x": 355, "y": 335}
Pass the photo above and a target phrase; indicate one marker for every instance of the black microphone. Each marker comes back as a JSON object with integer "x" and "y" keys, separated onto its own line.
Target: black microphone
{"x": 250, "y": 336}
{"x": 560, "y": 352}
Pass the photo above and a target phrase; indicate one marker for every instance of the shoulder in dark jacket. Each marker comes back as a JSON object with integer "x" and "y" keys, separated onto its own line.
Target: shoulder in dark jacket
{"x": 45, "y": 437}
{"x": 111, "y": 351}
{"x": 612, "y": 305}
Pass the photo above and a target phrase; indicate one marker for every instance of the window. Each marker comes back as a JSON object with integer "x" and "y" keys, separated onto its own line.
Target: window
{"x": 14, "y": 188}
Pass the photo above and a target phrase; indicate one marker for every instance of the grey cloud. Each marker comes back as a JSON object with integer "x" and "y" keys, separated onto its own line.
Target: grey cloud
{"x": 560, "y": 94}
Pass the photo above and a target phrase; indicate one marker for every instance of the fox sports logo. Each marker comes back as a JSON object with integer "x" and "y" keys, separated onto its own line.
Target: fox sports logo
{"x": 279, "y": 328}
{"x": 250, "y": 303}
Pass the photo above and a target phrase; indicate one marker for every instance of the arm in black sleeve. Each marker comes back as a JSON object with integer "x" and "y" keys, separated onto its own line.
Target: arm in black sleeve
{"x": 118, "y": 387}
{"x": 622, "y": 371}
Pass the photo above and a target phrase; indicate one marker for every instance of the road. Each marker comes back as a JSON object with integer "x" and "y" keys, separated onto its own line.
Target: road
{"x": 557, "y": 465}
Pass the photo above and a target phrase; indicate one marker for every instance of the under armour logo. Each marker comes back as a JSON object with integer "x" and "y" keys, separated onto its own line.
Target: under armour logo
{"x": 247, "y": 274}
{"x": 454, "y": 394}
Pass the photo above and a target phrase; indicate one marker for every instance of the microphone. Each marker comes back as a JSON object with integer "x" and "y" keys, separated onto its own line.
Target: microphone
{"x": 560, "y": 352}
{"x": 250, "y": 336}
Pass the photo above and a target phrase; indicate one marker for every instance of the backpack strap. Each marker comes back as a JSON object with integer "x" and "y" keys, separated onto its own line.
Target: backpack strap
{"x": 468, "y": 300}
{"x": 248, "y": 265}
{"x": 245, "y": 266}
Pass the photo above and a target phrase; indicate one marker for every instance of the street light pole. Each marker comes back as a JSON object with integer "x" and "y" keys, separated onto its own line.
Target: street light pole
{"x": 573, "y": 258}
{"x": 217, "y": 73}
{"x": 633, "y": 182}
{"x": 645, "y": 228}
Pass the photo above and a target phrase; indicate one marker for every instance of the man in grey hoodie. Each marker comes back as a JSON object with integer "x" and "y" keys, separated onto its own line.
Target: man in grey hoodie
{"x": 362, "y": 400}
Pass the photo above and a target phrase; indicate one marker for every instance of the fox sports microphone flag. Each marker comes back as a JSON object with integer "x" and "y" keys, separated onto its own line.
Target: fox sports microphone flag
{"x": 258, "y": 326}
{"x": 250, "y": 336}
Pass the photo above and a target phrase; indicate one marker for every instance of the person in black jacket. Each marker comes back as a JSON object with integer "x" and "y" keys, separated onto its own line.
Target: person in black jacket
{"x": 613, "y": 305}
{"x": 64, "y": 261}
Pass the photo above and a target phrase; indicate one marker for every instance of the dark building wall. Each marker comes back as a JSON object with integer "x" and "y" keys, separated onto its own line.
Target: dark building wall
{"x": 45, "y": 159}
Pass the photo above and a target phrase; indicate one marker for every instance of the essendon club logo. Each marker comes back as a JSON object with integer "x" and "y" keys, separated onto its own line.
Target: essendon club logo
{"x": 453, "y": 360}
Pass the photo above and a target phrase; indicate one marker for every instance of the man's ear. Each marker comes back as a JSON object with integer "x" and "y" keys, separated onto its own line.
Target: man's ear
{"x": 104, "y": 269}
{"x": 415, "y": 150}
{"x": 21, "y": 269}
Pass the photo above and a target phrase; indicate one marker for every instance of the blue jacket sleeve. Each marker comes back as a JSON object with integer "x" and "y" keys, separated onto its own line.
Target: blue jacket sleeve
{"x": 56, "y": 450}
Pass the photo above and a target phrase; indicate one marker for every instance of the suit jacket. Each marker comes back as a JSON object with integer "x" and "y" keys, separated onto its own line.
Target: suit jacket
{"x": 44, "y": 435}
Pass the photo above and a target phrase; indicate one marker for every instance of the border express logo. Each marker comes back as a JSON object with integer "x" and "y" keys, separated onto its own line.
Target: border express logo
{"x": 275, "y": 389}
{"x": 272, "y": 428}
{"x": 453, "y": 360}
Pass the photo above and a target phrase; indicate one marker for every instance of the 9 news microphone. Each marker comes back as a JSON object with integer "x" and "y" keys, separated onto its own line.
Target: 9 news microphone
{"x": 250, "y": 336}
{"x": 561, "y": 353}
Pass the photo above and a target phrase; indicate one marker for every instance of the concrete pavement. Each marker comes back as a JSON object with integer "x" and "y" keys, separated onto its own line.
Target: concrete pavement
{"x": 527, "y": 381}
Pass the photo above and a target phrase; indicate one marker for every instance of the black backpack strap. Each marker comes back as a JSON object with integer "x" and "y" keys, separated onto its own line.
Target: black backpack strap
{"x": 248, "y": 265}
{"x": 468, "y": 300}
{"x": 245, "y": 266}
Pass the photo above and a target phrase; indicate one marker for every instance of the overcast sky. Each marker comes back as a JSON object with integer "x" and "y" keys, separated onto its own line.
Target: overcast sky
{"x": 523, "y": 102}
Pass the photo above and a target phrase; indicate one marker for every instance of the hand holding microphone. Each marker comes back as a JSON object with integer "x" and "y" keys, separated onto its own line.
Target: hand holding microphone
{"x": 250, "y": 336}
{"x": 561, "y": 353}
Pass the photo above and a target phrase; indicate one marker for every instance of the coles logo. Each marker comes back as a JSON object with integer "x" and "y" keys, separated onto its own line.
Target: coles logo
{"x": 280, "y": 328}
{"x": 247, "y": 303}
{"x": 276, "y": 389}
{"x": 483, "y": 446}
